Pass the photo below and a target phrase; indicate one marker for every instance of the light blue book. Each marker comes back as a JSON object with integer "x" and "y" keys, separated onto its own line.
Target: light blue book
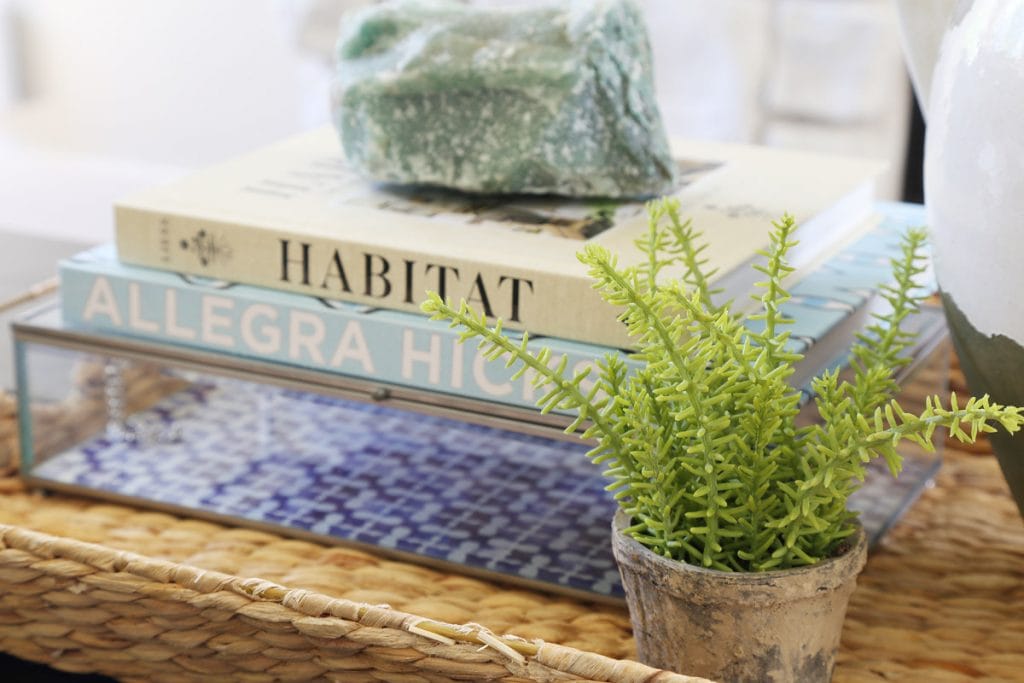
{"x": 99, "y": 293}
{"x": 830, "y": 305}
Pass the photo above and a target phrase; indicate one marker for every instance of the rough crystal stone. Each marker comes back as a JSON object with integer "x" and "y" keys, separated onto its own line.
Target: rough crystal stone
{"x": 545, "y": 100}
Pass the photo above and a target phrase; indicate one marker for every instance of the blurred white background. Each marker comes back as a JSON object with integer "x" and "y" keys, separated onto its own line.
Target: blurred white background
{"x": 102, "y": 97}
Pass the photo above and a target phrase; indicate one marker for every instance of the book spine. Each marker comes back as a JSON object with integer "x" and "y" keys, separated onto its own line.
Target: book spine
{"x": 393, "y": 277}
{"x": 325, "y": 336}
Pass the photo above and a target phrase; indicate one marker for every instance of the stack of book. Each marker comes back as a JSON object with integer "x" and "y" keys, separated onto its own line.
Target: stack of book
{"x": 251, "y": 349}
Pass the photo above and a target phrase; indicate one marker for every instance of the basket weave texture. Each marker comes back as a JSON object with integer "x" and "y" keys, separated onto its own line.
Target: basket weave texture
{"x": 91, "y": 587}
{"x": 140, "y": 595}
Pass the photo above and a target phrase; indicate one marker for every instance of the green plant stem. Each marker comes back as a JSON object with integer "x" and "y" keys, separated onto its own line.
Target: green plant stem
{"x": 668, "y": 344}
{"x": 684, "y": 236}
{"x": 440, "y": 309}
{"x": 874, "y": 388}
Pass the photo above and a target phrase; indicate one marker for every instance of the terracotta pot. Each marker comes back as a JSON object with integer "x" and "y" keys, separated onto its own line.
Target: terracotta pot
{"x": 737, "y": 627}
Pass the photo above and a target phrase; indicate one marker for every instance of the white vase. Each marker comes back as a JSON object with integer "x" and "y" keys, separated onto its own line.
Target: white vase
{"x": 974, "y": 193}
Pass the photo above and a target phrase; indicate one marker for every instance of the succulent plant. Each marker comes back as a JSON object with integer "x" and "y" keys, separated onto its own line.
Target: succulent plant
{"x": 700, "y": 442}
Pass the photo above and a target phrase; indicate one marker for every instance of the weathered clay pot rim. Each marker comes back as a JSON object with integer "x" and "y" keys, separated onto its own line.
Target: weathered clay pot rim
{"x": 794, "y": 577}
{"x": 781, "y": 625}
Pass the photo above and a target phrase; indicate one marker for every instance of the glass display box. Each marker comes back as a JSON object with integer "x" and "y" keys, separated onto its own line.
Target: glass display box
{"x": 433, "y": 478}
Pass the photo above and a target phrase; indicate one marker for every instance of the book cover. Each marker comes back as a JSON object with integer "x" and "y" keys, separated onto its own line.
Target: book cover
{"x": 100, "y": 293}
{"x": 293, "y": 217}
{"x": 829, "y": 306}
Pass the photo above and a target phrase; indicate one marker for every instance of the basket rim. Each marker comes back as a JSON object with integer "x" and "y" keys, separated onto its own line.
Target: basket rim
{"x": 312, "y": 610}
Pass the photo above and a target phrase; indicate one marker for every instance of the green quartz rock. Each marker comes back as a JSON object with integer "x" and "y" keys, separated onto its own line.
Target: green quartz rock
{"x": 548, "y": 100}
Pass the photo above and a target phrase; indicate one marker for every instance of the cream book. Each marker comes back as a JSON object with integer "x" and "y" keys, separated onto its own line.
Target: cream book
{"x": 293, "y": 217}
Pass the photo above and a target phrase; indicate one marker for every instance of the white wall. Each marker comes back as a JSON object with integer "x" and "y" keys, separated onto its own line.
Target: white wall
{"x": 184, "y": 82}
{"x": 107, "y": 96}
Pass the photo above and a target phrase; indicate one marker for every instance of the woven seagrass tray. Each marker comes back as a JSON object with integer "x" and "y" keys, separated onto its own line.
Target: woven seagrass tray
{"x": 138, "y": 595}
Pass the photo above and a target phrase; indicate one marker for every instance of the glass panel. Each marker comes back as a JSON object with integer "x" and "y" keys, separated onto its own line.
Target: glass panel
{"x": 315, "y": 465}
